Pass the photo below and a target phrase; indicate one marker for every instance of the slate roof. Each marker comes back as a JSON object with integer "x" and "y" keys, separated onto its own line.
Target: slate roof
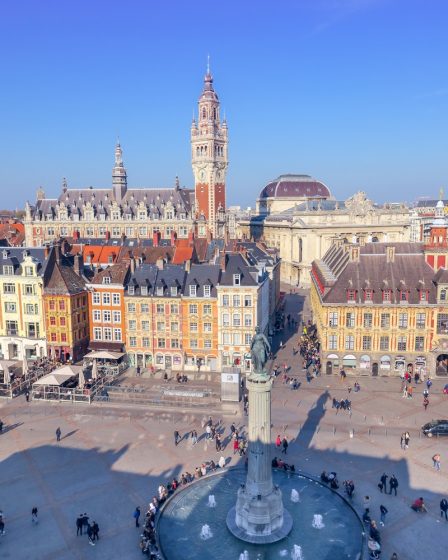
{"x": 202, "y": 275}
{"x": 236, "y": 264}
{"x": 408, "y": 271}
{"x": 15, "y": 256}
{"x": 151, "y": 277}
{"x": 290, "y": 186}
{"x": 117, "y": 273}
{"x": 62, "y": 278}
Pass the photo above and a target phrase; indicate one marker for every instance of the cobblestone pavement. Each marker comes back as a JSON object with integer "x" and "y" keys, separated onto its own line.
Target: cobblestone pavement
{"x": 111, "y": 459}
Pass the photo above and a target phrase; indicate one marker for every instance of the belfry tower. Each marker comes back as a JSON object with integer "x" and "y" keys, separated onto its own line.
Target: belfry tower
{"x": 119, "y": 176}
{"x": 209, "y": 158}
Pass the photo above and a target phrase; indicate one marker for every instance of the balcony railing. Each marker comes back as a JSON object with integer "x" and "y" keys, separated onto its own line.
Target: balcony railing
{"x": 12, "y": 332}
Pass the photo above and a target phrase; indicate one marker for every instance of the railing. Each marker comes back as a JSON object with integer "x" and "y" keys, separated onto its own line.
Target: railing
{"x": 20, "y": 384}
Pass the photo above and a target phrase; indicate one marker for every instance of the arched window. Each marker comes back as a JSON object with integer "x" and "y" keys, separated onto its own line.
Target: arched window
{"x": 197, "y": 151}
{"x": 214, "y": 113}
{"x": 204, "y": 113}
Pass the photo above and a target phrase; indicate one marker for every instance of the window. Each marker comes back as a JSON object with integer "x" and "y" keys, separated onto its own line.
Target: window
{"x": 9, "y": 289}
{"x": 401, "y": 344}
{"x": 115, "y": 299}
{"x": 368, "y": 295}
{"x": 385, "y": 320}
{"x": 420, "y": 320}
{"x": 144, "y": 290}
{"x": 174, "y": 343}
{"x": 403, "y": 296}
{"x": 107, "y": 316}
{"x": 225, "y": 338}
{"x": 106, "y": 298}
{"x": 207, "y": 327}
{"x": 349, "y": 342}
{"x": 145, "y": 325}
{"x": 333, "y": 319}
{"x": 145, "y": 342}
{"x": 31, "y": 309}
{"x": 10, "y": 307}
{"x": 161, "y": 343}
{"x": 193, "y": 343}
{"x": 193, "y": 327}
{"x": 207, "y": 343}
{"x": 173, "y": 291}
{"x": 28, "y": 289}
{"x": 96, "y": 298}
{"x": 117, "y": 335}
{"x": 225, "y": 300}
{"x": 387, "y": 296}
{"x": 97, "y": 333}
{"x": 107, "y": 331}
{"x": 442, "y": 296}
{"x": 225, "y": 320}
{"x": 333, "y": 342}
{"x": 193, "y": 308}
{"x": 62, "y": 321}
{"x": 236, "y": 279}
{"x": 11, "y": 327}
{"x": 131, "y": 290}
{"x": 53, "y": 321}
{"x": 131, "y": 307}
{"x": 115, "y": 232}
{"x": 351, "y": 295}
{"x": 132, "y": 324}
{"x": 116, "y": 316}
{"x": 248, "y": 338}
{"x": 236, "y": 301}
{"x": 207, "y": 309}
{"x": 237, "y": 339}
{"x": 61, "y": 305}
{"x": 160, "y": 326}
{"x": 133, "y": 341}
{"x": 53, "y": 337}
{"x": 29, "y": 271}
{"x": 247, "y": 320}
{"x": 63, "y": 337}
{"x": 96, "y": 315}
{"x": 368, "y": 320}
{"x": 8, "y": 269}
{"x": 442, "y": 323}
{"x": 423, "y": 296}
{"x": 419, "y": 343}
{"x": 52, "y": 305}
{"x": 207, "y": 289}
{"x": 106, "y": 280}
{"x": 384, "y": 343}
{"x": 174, "y": 309}
{"x": 160, "y": 308}
{"x": 32, "y": 330}
{"x": 193, "y": 290}
{"x": 142, "y": 231}
{"x": 236, "y": 320}
{"x": 366, "y": 342}
{"x": 247, "y": 301}
{"x": 402, "y": 320}
{"x": 144, "y": 308}
{"x": 174, "y": 327}
{"x": 350, "y": 320}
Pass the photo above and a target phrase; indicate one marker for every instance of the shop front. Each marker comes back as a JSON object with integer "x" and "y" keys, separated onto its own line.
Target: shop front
{"x": 332, "y": 364}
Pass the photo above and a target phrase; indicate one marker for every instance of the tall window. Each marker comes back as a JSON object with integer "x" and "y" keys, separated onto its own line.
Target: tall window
{"x": 96, "y": 298}
{"x": 247, "y": 301}
{"x": 333, "y": 342}
{"x": 419, "y": 343}
{"x": 350, "y": 320}
{"x": 225, "y": 320}
{"x": 225, "y": 300}
{"x": 97, "y": 333}
{"x": 247, "y": 320}
{"x": 207, "y": 309}
{"x": 117, "y": 335}
{"x": 387, "y": 296}
{"x": 368, "y": 319}
{"x": 106, "y": 298}
{"x": 420, "y": 320}
{"x": 107, "y": 331}
{"x": 403, "y": 320}
{"x": 349, "y": 342}
{"x": 385, "y": 320}
{"x": 193, "y": 308}
{"x": 443, "y": 295}
{"x": 333, "y": 319}
{"x": 366, "y": 342}
{"x": 207, "y": 327}
{"x": 207, "y": 288}
{"x": 236, "y": 320}
{"x": 401, "y": 344}
{"x": 115, "y": 299}
{"x": 384, "y": 343}
{"x": 193, "y": 290}
{"x": 236, "y": 301}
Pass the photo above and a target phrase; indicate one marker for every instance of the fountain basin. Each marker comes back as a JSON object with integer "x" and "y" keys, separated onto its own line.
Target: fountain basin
{"x": 184, "y": 514}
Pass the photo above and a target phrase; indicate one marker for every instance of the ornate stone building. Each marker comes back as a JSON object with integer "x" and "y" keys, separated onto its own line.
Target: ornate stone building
{"x": 118, "y": 211}
{"x": 310, "y": 220}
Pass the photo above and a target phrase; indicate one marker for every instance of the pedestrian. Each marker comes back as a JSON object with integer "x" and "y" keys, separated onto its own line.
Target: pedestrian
{"x": 85, "y": 521}
{"x": 425, "y": 403}
{"x": 235, "y": 445}
{"x": 95, "y": 531}
{"x": 2, "y": 523}
{"x": 208, "y": 431}
{"x": 393, "y": 484}
{"x": 407, "y": 439}
{"x": 194, "y": 436}
{"x": 278, "y": 441}
{"x": 218, "y": 442}
{"x": 90, "y": 534}
{"x": 176, "y": 437}
{"x": 444, "y": 508}
{"x": 284, "y": 445}
{"x": 374, "y": 533}
{"x": 27, "y": 396}
{"x": 58, "y": 434}
{"x": 383, "y": 482}
{"x": 383, "y": 511}
{"x": 436, "y": 461}
{"x": 34, "y": 515}
{"x": 394, "y": 556}
{"x": 410, "y": 391}
{"x": 79, "y": 525}
{"x": 428, "y": 383}
{"x": 1, "y": 426}
{"x": 137, "y": 516}
{"x": 232, "y": 429}
{"x": 402, "y": 441}
{"x": 343, "y": 375}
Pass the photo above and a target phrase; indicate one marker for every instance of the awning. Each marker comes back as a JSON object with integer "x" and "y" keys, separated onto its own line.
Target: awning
{"x": 349, "y": 360}
{"x": 59, "y": 376}
{"x": 365, "y": 358}
{"x": 103, "y": 355}
{"x": 385, "y": 359}
{"x": 332, "y": 357}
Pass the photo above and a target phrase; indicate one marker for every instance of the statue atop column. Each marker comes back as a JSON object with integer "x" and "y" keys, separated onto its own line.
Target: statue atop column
{"x": 260, "y": 350}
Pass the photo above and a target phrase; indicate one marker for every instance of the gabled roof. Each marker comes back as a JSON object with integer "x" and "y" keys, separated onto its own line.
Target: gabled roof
{"x": 236, "y": 264}
{"x": 117, "y": 273}
{"x": 204, "y": 275}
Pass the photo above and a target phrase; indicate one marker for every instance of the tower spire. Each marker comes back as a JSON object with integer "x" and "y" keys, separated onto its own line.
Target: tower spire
{"x": 208, "y": 64}
{"x": 119, "y": 175}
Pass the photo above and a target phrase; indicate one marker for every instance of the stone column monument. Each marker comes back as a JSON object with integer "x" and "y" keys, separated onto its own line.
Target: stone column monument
{"x": 258, "y": 516}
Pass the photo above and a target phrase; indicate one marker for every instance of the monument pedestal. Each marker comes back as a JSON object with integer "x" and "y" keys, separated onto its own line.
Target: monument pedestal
{"x": 258, "y": 516}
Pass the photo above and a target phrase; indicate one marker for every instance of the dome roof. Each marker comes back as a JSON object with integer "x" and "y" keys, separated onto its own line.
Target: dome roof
{"x": 295, "y": 186}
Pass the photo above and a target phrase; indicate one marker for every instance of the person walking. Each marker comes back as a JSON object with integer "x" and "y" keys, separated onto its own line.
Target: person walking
{"x": 208, "y": 431}
{"x": 90, "y": 534}
{"x": 95, "y": 531}
{"x": 425, "y": 403}
{"x": 194, "y": 437}
{"x": 278, "y": 441}
{"x": 383, "y": 512}
{"x": 284, "y": 445}
{"x": 218, "y": 443}
{"x": 402, "y": 441}
{"x": 137, "y": 516}
{"x": 235, "y": 445}
{"x": 444, "y": 508}
{"x": 34, "y": 515}
{"x": 383, "y": 483}
{"x": 436, "y": 461}
{"x": 27, "y": 396}
{"x": 393, "y": 484}
{"x": 79, "y": 525}
{"x": 85, "y": 521}
{"x": 2, "y": 523}
{"x": 1, "y": 426}
{"x": 176, "y": 437}
{"x": 407, "y": 439}
{"x": 58, "y": 434}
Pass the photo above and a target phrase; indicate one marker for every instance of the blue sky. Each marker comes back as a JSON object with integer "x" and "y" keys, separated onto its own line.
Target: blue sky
{"x": 353, "y": 92}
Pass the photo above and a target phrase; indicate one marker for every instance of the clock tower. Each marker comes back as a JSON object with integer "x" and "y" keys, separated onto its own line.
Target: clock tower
{"x": 209, "y": 159}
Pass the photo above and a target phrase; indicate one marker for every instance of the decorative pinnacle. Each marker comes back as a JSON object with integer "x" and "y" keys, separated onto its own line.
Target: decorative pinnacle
{"x": 208, "y": 64}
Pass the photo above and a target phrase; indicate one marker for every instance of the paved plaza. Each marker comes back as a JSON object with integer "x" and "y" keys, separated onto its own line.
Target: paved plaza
{"x": 111, "y": 459}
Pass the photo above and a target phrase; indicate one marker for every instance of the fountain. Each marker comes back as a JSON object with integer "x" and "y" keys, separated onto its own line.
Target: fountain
{"x": 206, "y": 532}
{"x": 211, "y": 501}
{"x": 295, "y": 496}
{"x": 259, "y": 517}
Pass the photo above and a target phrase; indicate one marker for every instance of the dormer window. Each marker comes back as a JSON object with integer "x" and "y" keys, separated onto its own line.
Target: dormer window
{"x": 106, "y": 280}
{"x": 207, "y": 289}
{"x": 237, "y": 279}
{"x": 442, "y": 296}
{"x": 387, "y": 296}
{"x": 193, "y": 290}
{"x": 160, "y": 290}
{"x": 144, "y": 290}
{"x": 351, "y": 295}
{"x": 173, "y": 291}
{"x": 8, "y": 269}
{"x": 423, "y": 296}
{"x": 403, "y": 296}
{"x": 131, "y": 290}
{"x": 368, "y": 295}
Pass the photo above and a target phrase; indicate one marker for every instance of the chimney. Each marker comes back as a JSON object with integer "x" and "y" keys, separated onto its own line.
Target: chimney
{"x": 132, "y": 261}
{"x": 156, "y": 238}
{"x": 107, "y": 235}
{"x": 173, "y": 238}
{"x": 223, "y": 261}
{"x": 188, "y": 265}
{"x": 46, "y": 251}
{"x": 390, "y": 254}
{"x": 76, "y": 235}
{"x": 78, "y": 264}
{"x": 191, "y": 238}
{"x": 57, "y": 251}
{"x": 159, "y": 264}
{"x": 123, "y": 238}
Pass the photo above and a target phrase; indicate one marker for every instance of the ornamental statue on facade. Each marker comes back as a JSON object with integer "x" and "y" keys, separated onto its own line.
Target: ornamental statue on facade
{"x": 359, "y": 204}
{"x": 260, "y": 350}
